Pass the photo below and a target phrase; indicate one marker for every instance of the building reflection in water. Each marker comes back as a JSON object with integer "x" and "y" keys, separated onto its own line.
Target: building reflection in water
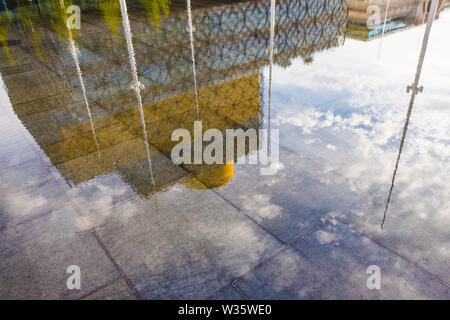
{"x": 190, "y": 29}
{"x": 271, "y": 42}
{"x": 232, "y": 47}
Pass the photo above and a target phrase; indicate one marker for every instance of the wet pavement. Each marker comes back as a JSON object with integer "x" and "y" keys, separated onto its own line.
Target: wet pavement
{"x": 82, "y": 185}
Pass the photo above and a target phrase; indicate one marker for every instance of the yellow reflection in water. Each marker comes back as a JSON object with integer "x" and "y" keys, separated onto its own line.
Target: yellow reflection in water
{"x": 52, "y": 13}
{"x": 110, "y": 10}
{"x": 155, "y": 9}
{"x": 5, "y": 22}
{"x": 212, "y": 178}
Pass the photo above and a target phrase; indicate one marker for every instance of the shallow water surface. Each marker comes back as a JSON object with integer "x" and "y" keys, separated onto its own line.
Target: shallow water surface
{"x": 87, "y": 117}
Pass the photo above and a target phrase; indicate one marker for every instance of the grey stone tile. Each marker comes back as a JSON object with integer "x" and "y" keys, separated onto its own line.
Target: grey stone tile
{"x": 227, "y": 293}
{"x": 194, "y": 245}
{"x": 304, "y": 206}
{"x": 247, "y": 179}
{"x": 34, "y": 257}
{"x": 331, "y": 263}
{"x": 300, "y": 196}
{"x": 99, "y": 193}
{"x": 24, "y": 175}
{"x": 14, "y": 154}
{"x": 14, "y": 144}
{"x": 415, "y": 227}
{"x": 42, "y": 198}
{"x": 323, "y": 146}
{"x": 117, "y": 290}
{"x": 105, "y": 191}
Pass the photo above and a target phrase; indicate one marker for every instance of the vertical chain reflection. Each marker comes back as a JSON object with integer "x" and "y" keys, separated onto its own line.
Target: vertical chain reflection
{"x": 191, "y": 38}
{"x": 272, "y": 35}
{"x": 74, "y": 51}
{"x": 415, "y": 89}
{"x": 137, "y": 86}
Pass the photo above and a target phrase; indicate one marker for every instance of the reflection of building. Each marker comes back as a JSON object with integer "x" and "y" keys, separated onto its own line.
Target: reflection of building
{"x": 231, "y": 47}
{"x": 401, "y": 13}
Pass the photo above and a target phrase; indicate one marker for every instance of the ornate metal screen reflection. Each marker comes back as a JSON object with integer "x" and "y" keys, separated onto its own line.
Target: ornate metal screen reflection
{"x": 235, "y": 37}
{"x": 231, "y": 48}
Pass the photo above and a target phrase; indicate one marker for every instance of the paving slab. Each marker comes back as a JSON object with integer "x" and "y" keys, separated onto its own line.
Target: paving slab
{"x": 331, "y": 263}
{"x": 12, "y": 137}
{"x": 22, "y": 154}
{"x": 34, "y": 258}
{"x": 24, "y": 175}
{"x": 97, "y": 195}
{"x": 193, "y": 246}
{"x": 247, "y": 178}
{"x": 36, "y": 200}
{"x": 117, "y": 290}
{"x": 291, "y": 202}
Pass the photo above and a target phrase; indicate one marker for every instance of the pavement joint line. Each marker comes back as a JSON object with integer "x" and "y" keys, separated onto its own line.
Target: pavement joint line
{"x": 239, "y": 209}
{"x": 248, "y": 271}
{"x": 118, "y": 203}
{"x": 99, "y": 288}
{"x": 36, "y": 99}
{"x": 246, "y": 215}
{"x": 285, "y": 247}
{"x": 308, "y": 233}
{"x": 44, "y": 164}
{"x": 238, "y": 289}
{"x": 116, "y": 265}
{"x": 414, "y": 264}
{"x": 32, "y": 218}
{"x": 21, "y": 191}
